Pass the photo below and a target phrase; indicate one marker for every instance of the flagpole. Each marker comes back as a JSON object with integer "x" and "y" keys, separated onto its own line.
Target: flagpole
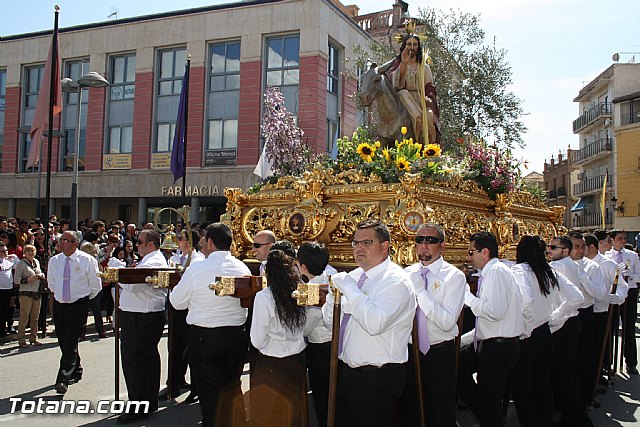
{"x": 52, "y": 95}
{"x": 186, "y": 132}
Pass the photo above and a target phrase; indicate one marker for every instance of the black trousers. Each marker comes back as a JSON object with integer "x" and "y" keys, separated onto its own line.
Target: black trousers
{"x": 629, "y": 317}
{"x": 44, "y": 309}
{"x": 139, "y": 336}
{"x": 565, "y": 374}
{"x": 318, "y": 363}
{"x": 178, "y": 349}
{"x": 367, "y": 396}
{"x": 437, "y": 368}
{"x": 278, "y": 392}
{"x": 216, "y": 359}
{"x": 69, "y": 318}
{"x": 94, "y": 304}
{"x": 586, "y": 363}
{"x": 530, "y": 380}
{"x": 493, "y": 363}
{"x": 7, "y": 311}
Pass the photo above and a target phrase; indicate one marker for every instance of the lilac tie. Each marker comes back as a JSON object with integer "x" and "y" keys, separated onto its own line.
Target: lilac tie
{"x": 66, "y": 281}
{"x": 619, "y": 259}
{"x": 423, "y": 333}
{"x": 475, "y": 329}
{"x": 183, "y": 258}
{"x": 346, "y": 317}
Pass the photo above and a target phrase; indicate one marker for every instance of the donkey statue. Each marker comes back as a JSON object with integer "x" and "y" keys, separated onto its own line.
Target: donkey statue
{"x": 392, "y": 115}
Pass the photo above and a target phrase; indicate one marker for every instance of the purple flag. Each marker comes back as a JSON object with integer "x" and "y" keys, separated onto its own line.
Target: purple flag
{"x": 178, "y": 152}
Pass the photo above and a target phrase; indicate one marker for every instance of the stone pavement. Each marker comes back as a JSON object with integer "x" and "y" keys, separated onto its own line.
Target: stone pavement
{"x": 30, "y": 373}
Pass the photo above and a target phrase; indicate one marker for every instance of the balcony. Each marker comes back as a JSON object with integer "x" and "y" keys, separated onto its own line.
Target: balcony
{"x": 559, "y": 192}
{"x": 590, "y": 186}
{"x": 593, "y": 220}
{"x": 592, "y": 151}
{"x": 601, "y": 109}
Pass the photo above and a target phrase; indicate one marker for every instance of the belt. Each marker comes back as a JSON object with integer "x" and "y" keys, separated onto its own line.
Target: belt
{"x": 374, "y": 368}
{"x": 501, "y": 340}
{"x": 439, "y": 345}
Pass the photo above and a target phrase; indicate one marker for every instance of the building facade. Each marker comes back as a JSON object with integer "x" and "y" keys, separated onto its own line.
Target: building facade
{"x": 556, "y": 182}
{"x": 126, "y": 129}
{"x": 608, "y": 157}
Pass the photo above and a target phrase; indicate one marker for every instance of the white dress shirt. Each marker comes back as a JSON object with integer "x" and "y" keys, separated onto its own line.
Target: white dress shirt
{"x": 537, "y": 309}
{"x": 315, "y": 330}
{"x": 576, "y": 275}
{"x": 206, "y": 309}
{"x": 498, "y": 305}
{"x": 443, "y": 300}
{"x": 382, "y": 315}
{"x": 609, "y": 268}
{"x": 267, "y": 333}
{"x": 7, "y": 264}
{"x": 195, "y": 257}
{"x": 84, "y": 278}
{"x": 143, "y": 297}
{"x": 595, "y": 288}
{"x": 633, "y": 271}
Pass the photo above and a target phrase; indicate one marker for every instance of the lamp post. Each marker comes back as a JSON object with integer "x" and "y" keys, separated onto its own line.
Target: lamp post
{"x": 91, "y": 79}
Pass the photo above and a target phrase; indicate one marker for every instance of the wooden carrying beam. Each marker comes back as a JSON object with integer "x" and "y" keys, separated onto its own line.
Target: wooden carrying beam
{"x": 245, "y": 287}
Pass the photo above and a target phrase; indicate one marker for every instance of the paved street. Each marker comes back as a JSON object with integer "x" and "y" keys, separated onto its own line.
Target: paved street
{"x": 30, "y": 373}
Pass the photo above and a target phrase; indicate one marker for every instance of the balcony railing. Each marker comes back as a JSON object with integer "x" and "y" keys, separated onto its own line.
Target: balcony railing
{"x": 591, "y": 115}
{"x": 591, "y": 150}
{"x": 562, "y": 191}
{"x": 592, "y": 219}
{"x": 589, "y": 185}
{"x": 553, "y": 194}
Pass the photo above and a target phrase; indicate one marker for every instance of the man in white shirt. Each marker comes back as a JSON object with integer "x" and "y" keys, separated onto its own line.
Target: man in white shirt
{"x": 7, "y": 265}
{"x": 440, "y": 288}
{"x": 179, "y": 327}
{"x": 262, "y": 242}
{"x": 218, "y": 338}
{"x": 73, "y": 279}
{"x": 600, "y": 309}
{"x": 378, "y": 309}
{"x": 142, "y": 321}
{"x": 630, "y": 309}
{"x": 594, "y": 292}
{"x": 565, "y": 380}
{"x": 493, "y": 346}
{"x": 313, "y": 258}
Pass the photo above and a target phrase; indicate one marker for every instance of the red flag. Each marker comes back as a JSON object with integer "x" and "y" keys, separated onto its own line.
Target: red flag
{"x": 41, "y": 117}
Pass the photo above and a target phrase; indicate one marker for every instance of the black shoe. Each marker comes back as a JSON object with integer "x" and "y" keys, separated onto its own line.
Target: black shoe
{"x": 75, "y": 380}
{"x": 61, "y": 388}
{"x": 632, "y": 370}
{"x": 192, "y": 398}
{"x": 132, "y": 418}
{"x": 164, "y": 394}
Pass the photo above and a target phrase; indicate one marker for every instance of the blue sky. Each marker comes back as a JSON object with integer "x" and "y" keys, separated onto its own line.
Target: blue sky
{"x": 554, "y": 47}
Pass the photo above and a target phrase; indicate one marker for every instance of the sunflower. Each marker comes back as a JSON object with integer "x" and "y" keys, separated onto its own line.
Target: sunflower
{"x": 402, "y": 164}
{"x": 432, "y": 150}
{"x": 386, "y": 154}
{"x": 366, "y": 151}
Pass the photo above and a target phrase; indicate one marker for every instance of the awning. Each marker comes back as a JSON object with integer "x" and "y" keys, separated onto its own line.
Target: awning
{"x": 581, "y": 204}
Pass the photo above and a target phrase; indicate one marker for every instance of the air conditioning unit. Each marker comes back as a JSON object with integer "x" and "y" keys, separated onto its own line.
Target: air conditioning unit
{"x": 608, "y": 122}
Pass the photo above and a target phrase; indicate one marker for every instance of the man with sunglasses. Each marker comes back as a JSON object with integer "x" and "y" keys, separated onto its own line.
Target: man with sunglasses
{"x": 566, "y": 333}
{"x": 73, "y": 280}
{"x": 262, "y": 242}
{"x": 439, "y": 288}
{"x": 492, "y": 348}
{"x": 378, "y": 310}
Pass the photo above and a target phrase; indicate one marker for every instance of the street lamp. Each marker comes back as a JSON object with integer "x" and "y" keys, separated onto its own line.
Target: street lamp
{"x": 91, "y": 79}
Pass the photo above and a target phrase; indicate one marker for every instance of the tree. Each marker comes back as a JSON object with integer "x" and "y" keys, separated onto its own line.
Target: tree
{"x": 471, "y": 78}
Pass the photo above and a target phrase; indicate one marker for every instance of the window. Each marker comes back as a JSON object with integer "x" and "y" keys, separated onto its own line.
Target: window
{"x": 630, "y": 112}
{"x": 122, "y": 92}
{"x": 283, "y": 68}
{"x": 74, "y": 70}
{"x": 332, "y": 70}
{"x": 171, "y": 65}
{"x": 3, "y": 95}
{"x": 31, "y": 87}
{"x": 224, "y": 98}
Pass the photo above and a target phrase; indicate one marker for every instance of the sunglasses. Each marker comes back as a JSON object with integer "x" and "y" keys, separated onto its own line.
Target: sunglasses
{"x": 259, "y": 245}
{"x": 429, "y": 239}
{"x": 471, "y": 251}
{"x": 554, "y": 247}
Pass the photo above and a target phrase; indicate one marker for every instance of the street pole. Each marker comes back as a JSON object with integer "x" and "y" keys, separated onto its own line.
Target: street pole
{"x": 74, "y": 184}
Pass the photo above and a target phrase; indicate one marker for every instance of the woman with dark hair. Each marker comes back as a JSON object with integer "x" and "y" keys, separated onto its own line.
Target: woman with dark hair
{"x": 277, "y": 333}
{"x": 131, "y": 257}
{"x": 547, "y": 296}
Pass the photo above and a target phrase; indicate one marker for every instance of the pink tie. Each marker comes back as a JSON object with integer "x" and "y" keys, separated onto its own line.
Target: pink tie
{"x": 346, "y": 317}
{"x": 475, "y": 329}
{"x": 423, "y": 333}
{"x": 66, "y": 281}
{"x": 619, "y": 259}
{"x": 183, "y": 258}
